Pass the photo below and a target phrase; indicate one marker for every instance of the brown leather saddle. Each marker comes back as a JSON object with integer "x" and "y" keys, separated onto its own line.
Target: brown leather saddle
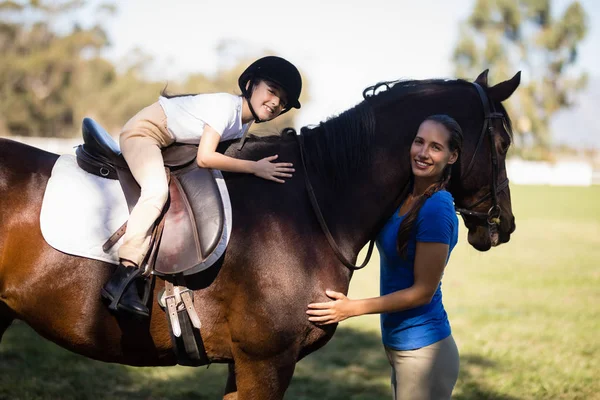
{"x": 194, "y": 215}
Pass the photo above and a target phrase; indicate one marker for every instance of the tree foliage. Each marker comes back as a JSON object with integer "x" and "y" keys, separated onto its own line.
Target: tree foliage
{"x": 52, "y": 72}
{"x": 510, "y": 35}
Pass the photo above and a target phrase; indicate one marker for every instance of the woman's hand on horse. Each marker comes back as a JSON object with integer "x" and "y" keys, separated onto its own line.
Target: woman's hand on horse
{"x": 331, "y": 312}
{"x": 267, "y": 169}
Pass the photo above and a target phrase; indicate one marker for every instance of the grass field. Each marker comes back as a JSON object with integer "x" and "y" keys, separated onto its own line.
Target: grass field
{"x": 526, "y": 318}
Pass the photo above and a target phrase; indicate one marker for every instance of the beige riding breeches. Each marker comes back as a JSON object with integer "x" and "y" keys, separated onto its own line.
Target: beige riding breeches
{"x": 428, "y": 373}
{"x": 141, "y": 141}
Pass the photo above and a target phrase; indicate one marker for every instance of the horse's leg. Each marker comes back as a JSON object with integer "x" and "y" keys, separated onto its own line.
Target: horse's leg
{"x": 231, "y": 387}
{"x": 264, "y": 379}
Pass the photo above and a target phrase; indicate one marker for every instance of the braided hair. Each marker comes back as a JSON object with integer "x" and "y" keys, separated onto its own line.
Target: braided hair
{"x": 455, "y": 144}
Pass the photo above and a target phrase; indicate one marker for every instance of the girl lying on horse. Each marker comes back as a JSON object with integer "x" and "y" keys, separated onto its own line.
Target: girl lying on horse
{"x": 270, "y": 87}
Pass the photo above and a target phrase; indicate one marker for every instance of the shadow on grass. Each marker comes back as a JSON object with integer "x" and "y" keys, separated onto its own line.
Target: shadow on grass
{"x": 351, "y": 366}
{"x": 470, "y": 385}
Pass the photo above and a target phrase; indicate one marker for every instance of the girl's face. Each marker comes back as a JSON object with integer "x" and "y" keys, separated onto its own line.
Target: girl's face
{"x": 430, "y": 152}
{"x": 268, "y": 100}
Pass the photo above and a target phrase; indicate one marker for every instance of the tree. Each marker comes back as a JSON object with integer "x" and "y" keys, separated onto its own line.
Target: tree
{"x": 52, "y": 73}
{"x": 39, "y": 66}
{"x": 510, "y": 35}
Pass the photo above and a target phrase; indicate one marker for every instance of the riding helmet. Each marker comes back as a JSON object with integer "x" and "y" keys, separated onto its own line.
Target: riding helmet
{"x": 277, "y": 70}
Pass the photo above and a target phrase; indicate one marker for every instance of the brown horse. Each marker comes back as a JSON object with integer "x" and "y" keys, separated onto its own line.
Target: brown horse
{"x": 252, "y": 305}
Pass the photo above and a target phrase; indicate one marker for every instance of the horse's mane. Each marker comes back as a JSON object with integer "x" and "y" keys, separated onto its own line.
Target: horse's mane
{"x": 338, "y": 146}
{"x": 341, "y": 145}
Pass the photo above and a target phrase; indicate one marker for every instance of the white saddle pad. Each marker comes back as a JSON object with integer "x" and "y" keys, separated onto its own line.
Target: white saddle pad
{"x": 80, "y": 211}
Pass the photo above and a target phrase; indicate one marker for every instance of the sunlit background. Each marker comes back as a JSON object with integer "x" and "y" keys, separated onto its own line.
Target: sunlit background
{"x": 525, "y": 315}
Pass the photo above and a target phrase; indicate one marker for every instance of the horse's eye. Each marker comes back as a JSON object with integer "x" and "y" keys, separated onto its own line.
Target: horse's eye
{"x": 504, "y": 147}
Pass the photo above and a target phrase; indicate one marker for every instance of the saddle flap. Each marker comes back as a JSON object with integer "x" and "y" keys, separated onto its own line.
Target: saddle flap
{"x": 204, "y": 197}
{"x": 194, "y": 221}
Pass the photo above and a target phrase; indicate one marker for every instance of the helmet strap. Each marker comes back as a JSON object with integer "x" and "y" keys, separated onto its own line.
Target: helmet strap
{"x": 248, "y": 95}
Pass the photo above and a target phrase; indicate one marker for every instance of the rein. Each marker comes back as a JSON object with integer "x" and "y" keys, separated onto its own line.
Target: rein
{"x": 321, "y": 219}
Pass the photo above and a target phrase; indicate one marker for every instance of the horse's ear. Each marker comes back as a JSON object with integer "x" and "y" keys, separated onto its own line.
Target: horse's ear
{"x": 482, "y": 78}
{"x": 504, "y": 90}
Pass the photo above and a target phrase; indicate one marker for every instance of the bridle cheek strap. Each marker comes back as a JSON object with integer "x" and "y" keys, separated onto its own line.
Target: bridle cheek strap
{"x": 493, "y": 214}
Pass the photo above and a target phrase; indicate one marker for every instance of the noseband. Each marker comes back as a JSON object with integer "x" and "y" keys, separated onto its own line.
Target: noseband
{"x": 493, "y": 215}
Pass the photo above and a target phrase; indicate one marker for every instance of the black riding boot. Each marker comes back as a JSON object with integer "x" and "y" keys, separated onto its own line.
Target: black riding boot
{"x": 121, "y": 290}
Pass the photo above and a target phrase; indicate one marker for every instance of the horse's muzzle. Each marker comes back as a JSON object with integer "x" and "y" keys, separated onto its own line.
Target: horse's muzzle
{"x": 485, "y": 236}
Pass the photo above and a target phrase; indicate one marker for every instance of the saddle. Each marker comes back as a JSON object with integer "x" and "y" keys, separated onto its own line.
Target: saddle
{"x": 188, "y": 238}
{"x": 194, "y": 216}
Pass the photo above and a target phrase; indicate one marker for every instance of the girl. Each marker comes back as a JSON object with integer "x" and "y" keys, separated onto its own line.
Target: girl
{"x": 414, "y": 247}
{"x": 270, "y": 87}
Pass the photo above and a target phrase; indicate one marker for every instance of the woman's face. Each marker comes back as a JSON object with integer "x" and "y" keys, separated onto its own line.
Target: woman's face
{"x": 430, "y": 151}
{"x": 268, "y": 100}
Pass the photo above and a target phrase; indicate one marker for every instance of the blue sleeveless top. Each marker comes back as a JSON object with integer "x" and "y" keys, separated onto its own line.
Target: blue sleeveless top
{"x": 424, "y": 325}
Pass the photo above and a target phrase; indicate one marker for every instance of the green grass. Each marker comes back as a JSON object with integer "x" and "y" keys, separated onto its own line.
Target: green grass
{"x": 526, "y": 318}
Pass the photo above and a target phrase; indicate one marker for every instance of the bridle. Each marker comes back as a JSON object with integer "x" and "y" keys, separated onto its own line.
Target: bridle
{"x": 493, "y": 215}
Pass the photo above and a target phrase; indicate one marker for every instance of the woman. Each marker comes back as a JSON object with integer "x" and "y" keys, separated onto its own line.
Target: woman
{"x": 270, "y": 87}
{"x": 414, "y": 246}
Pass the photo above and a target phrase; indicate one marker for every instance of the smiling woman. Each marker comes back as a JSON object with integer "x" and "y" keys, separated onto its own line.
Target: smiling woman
{"x": 415, "y": 245}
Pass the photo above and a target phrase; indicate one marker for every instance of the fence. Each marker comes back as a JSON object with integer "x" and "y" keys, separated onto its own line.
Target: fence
{"x": 522, "y": 172}
{"x": 561, "y": 173}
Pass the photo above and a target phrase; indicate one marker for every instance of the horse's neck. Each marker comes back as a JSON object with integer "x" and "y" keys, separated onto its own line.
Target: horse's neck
{"x": 356, "y": 210}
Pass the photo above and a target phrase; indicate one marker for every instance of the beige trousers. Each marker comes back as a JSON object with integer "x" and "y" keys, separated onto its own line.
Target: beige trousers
{"x": 428, "y": 373}
{"x": 141, "y": 141}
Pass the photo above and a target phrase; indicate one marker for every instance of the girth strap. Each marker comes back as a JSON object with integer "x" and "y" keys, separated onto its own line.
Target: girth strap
{"x": 184, "y": 323}
{"x": 171, "y": 305}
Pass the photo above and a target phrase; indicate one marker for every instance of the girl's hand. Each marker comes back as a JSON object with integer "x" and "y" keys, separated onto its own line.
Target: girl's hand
{"x": 332, "y": 311}
{"x": 269, "y": 170}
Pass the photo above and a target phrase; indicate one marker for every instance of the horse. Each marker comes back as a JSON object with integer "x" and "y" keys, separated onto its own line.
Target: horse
{"x": 252, "y": 304}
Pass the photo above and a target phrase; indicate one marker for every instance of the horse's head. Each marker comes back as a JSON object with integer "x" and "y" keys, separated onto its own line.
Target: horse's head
{"x": 361, "y": 157}
{"x": 481, "y": 193}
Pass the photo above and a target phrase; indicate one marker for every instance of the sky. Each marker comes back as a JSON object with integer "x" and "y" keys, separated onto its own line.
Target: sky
{"x": 340, "y": 46}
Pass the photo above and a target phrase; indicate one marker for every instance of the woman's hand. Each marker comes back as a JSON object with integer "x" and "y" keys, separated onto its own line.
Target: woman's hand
{"x": 332, "y": 311}
{"x": 269, "y": 170}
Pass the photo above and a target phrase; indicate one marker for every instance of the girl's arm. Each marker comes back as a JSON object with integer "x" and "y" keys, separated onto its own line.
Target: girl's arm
{"x": 208, "y": 157}
{"x": 430, "y": 261}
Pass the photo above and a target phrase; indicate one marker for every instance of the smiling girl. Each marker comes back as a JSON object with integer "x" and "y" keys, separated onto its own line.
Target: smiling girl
{"x": 270, "y": 87}
{"x": 414, "y": 246}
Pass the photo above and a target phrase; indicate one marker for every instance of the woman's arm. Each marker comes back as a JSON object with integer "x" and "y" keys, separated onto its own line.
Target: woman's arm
{"x": 430, "y": 261}
{"x": 208, "y": 157}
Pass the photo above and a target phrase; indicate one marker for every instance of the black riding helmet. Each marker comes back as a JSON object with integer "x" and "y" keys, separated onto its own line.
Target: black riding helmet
{"x": 277, "y": 70}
